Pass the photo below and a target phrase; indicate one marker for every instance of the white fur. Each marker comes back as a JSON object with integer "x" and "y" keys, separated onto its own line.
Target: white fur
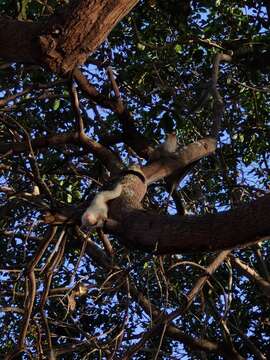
{"x": 97, "y": 212}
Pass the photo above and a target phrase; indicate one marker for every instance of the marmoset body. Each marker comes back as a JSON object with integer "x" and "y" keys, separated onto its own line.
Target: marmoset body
{"x": 97, "y": 212}
{"x": 165, "y": 149}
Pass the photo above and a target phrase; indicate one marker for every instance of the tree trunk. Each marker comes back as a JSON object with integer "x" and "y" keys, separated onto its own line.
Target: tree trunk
{"x": 64, "y": 40}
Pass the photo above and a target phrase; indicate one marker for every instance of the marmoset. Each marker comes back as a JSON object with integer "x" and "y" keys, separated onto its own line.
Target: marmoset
{"x": 165, "y": 149}
{"x": 97, "y": 212}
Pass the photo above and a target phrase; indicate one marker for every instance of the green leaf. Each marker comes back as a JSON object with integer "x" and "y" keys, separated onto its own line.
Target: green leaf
{"x": 140, "y": 46}
{"x": 23, "y": 10}
{"x": 56, "y": 104}
{"x": 241, "y": 138}
{"x": 178, "y": 48}
{"x": 145, "y": 265}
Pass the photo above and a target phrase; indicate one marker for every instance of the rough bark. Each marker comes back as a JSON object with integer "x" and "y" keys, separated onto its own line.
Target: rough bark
{"x": 173, "y": 234}
{"x": 64, "y": 40}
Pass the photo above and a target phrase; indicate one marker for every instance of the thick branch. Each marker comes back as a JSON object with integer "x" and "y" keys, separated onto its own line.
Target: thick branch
{"x": 100, "y": 151}
{"x": 211, "y": 232}
{"x": 173, "y": 234}
{"x": 64, "y": 40}
{"x": 39, "y": 143}
{"x": 187, "y": 155}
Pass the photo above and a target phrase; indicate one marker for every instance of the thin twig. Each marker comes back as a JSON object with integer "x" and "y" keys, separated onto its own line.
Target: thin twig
{"x": 189, "y": 299}
{"x": 76, "y": 107}
{"x": 30, "y": 295}
{"x": 218, "y": 106}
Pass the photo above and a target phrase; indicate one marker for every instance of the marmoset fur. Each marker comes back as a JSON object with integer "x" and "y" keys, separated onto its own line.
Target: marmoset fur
{"x": 97, "y": 212}
{"x": 165, "y": 149}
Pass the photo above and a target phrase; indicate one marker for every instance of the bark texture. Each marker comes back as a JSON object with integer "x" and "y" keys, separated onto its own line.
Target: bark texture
{"x": 167, "y": 234}
{"x": 173, "y": 234}
{"x": 64, "y": 40}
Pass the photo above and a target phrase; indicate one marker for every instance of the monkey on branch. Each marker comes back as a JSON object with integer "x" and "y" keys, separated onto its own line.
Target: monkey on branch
{"x": 166, "y": 149}
{"x": 97, "y": 213}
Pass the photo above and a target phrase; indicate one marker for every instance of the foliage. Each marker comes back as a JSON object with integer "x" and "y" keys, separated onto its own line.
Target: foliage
{"x": 161, "y": 55}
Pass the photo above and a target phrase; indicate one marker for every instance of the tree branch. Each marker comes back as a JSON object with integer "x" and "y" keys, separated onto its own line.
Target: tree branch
{"x": 173, "y": 234}
{"x": 65, "y": 39}
{"x": 252, "y": 275}
{"x": 100, "y": 151}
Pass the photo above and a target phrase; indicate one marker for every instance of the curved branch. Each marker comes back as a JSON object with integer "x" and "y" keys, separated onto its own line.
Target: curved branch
{"x": 100, "y": 151}
{"x": 131, "y": 136}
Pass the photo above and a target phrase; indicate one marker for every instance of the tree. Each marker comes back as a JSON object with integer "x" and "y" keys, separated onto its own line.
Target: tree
{"x": 88, "y": 91}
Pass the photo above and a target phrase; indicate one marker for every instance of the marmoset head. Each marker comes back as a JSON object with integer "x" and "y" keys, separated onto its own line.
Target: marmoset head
{"x": 89, "y": 219}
